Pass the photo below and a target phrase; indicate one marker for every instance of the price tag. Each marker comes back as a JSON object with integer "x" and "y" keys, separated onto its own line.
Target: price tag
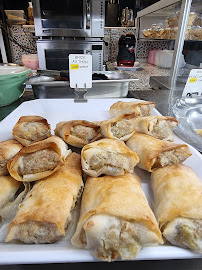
{"x": 80, "y": 70}
{"x": 193, "y": 85}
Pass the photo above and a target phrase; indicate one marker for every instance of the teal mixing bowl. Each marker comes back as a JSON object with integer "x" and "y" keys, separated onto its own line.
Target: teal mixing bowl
{"x": 12, "y": 79}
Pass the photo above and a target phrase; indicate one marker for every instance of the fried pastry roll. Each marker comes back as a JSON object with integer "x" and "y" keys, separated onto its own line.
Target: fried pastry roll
{"x": 38, "y": 160}
{"x": 30, "y": 129}
{"x": 115, "y": 218}
{"x": 106, "y": 156}
{"x": 8, "y": 149}
{"x": 120, "y": 127}
{"x": 160, "y": 127}
{"x": 154, "y": 153}
{"x": 178, "y": 205}
{"x": 45, "y": 213}
{"x": 78, "y": 132}
{"x": 137, "y": 108}
{"x": 10, "y": 196}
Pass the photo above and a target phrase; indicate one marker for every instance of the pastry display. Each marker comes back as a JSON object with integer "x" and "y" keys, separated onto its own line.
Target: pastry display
{"x": 41, "y": 183}
{"x": 178, "y": 205}
{"x": 45, "y": 213}
{"x": 110, "y": 229}
{"x": 78, "y": 132}
{"x": 154, "y": 153}
{"x": 39, "y": 159}
{"x": 30, "y": 129}
{"x": 8, "y": 149}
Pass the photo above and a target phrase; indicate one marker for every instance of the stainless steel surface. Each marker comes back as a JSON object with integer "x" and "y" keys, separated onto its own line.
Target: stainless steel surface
{"x": 93, "y": 21}
{"x": 116, "y": 86}
{"x": 71, "y": 45}
{"x": 188, "y": 112}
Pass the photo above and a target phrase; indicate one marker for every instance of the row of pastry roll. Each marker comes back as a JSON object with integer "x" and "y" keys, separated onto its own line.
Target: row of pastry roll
{"x": 106, "y": 227}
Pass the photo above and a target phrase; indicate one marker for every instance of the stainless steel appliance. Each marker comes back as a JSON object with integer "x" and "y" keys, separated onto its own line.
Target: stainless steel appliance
{"x": 53, "y": 53}
{"x": 69, "y": 18}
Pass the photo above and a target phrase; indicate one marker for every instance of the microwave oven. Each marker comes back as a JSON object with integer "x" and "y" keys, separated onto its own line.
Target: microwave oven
{"x": 69, "y": 18}
{"x": 53, "y": 54}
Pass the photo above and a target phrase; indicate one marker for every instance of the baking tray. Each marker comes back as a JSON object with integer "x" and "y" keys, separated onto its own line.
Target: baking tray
{"x": 46, "y": 87}
{"x": 56, "y": 110}
{"x": 188, "y": 112}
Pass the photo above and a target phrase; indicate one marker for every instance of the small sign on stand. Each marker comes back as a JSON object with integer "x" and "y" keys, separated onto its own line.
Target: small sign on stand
{"x": 80, "y": 75}
{"x": 193, "y": 87}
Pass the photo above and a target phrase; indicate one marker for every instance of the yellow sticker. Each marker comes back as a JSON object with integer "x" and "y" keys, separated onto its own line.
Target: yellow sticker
{"x": 74, "y": 66}
{"x": 193, "y": 80}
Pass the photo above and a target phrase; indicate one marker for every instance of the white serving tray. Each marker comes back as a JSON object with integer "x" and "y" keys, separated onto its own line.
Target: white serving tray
{"x": 56, "y": 110}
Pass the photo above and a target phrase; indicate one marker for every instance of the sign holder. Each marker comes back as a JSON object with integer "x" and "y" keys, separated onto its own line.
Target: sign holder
{"x": 80, "y": 75}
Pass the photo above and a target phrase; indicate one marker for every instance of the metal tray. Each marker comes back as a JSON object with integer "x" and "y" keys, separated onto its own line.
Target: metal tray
{"x": 45, "y": 86}
{"x": 188, "y": 112}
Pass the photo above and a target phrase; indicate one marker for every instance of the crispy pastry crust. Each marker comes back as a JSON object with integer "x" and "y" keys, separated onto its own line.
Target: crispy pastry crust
{"x": 148, "y": 149}
{"x": 63, "y": 130}
{"x": 120, "y": 196}
{"x": 108, "y": 145}
{"x": 144, "y": 125}
{"x": 52, "y": 199}
{"x": 106, "y": 127}
{"x": 177, "y": 193}
{"x": 26, "y": 119}
{"x": 55, "y": 143}
{"x": 7, "y": 150}
{"x": 132, "y": 107}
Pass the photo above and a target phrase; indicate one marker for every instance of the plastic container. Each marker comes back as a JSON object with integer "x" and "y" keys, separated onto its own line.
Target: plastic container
{"x": 12, "y": 79}
{"x": 30, "y": 61}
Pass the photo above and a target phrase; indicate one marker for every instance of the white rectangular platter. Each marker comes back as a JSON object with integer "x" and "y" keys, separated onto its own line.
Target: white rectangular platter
{"x": 56, "y": 110}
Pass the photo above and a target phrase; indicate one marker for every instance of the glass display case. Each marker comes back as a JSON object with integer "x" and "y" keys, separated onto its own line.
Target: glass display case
{"x": 180, "y": 22}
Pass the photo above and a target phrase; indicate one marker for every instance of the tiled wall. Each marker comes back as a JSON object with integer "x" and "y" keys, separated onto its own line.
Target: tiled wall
{"x": 26, "y": 37}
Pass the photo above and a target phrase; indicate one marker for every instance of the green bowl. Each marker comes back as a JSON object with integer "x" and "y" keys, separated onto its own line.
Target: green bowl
{"x": 11, "y": 83}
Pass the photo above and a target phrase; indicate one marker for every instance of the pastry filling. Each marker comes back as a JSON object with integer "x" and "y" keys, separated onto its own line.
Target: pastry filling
{"x": 35, "y": 232}
{"x": 184, "y": 232}
{"x": 121, "y": 128}
{"x": 109, "y": 237}
{"x": 161, "y": 128}
{"x": 3, "y": 167}
{"x": 33, "y": 131}
{"x": 145, "y": 110}
{"x": 108, "y": 162}
{"x": 83, "y": 132}
{"x": 40, "y": 161}
{"x": 169, "y": 157}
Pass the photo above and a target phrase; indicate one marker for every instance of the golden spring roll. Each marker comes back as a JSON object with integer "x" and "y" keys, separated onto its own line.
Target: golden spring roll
{"x": 115, "y": 218}
{"x": 120, "y": 127}
{"x": 137, "y": 108}
{"x": 30, "y": 129}
{"x": 45, "y": 213}
{"x": 178, "y": 205}
{"x": 154, "y": 153}
{"x": 160, "y": 127}
{"x": 8, "y": 149}
{"x": 106, "y": 156}
{"x": 39, "y": 159}
{"x": 78, "y": 132}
